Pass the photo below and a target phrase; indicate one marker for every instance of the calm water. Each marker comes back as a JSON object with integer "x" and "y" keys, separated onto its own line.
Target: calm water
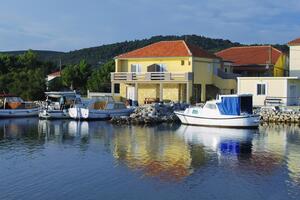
{"x": 96, "y": 160}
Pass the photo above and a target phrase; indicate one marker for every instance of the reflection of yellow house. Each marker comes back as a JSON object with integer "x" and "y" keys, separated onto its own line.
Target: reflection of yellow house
{"x": 171, "y": 70}
{"x": 164, "y": 155}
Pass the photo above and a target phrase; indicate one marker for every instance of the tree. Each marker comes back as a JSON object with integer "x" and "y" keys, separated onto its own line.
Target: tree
{"x": 76, "y": 76}
{"x": 100, "y": 78}
{"x": 24, "y": 75}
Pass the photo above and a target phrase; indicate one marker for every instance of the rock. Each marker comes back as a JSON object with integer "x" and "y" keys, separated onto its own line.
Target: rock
{"x": 152, "y": 114}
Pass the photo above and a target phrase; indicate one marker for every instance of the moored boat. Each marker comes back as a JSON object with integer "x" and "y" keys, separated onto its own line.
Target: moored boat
{"x": 14, "y": 106}
{"x": 100, "y": 109}
{"x": 231, "y": 111}
{"x": 57, "y": 105}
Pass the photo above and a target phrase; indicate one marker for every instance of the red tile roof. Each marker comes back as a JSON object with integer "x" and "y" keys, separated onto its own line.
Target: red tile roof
{"x": 178, "y": 48}
{"x": 55, "y": 74}
{"x": 250, "y": 55}
{"x": 294, "y": 42}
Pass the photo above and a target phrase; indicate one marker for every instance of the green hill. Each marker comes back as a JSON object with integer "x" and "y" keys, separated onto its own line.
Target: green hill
{"x": 103, "y": 53}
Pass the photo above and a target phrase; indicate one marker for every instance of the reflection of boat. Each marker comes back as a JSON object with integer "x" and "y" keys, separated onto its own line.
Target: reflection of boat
{"x": 58, "y": 104}
{"x": 13, "y": 106}
{"x": 58, "y": 127}
{"x": 100, "y": 109}
{"x": 218, "y": 139}
{"x": 233, "y": 111}
{"x": 17, "y": 127}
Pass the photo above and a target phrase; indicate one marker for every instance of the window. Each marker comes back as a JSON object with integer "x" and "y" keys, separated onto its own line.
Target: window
{"x": 195, "y": 112}
{"x": 211, "y": 106}
{"x": 225, "y": 70}
{"x": 163, "y": 67}
{"x": 261, "y": 89}
{"x": 182, "y": 62}
{"x": 135, "y": 68}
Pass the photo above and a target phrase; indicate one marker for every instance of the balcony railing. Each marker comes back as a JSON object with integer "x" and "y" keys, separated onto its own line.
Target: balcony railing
{"x": 151, "y": 76}
{"x": 227, "y": 75}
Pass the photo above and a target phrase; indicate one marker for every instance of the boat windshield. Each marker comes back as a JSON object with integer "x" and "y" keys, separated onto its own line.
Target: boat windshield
{"x": 111, "y": 106}
{"x": 211, "y": 106}
{"x": 14, "y": 99}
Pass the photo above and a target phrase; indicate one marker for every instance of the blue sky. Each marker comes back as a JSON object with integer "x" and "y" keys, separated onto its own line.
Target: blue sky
{"x": 73, "y": 24}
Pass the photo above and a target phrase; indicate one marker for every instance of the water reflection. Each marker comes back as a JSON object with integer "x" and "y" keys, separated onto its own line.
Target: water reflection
{"x": 17, "y": 128}
{"x": 169, "y": 152}
{"x": 222, "y": 141}
{"x": 154, "y": 150}
{"x": 293, "y": 153}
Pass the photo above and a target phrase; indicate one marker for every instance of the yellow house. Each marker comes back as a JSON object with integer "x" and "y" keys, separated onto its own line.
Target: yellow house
{"x": 171, "y": 70}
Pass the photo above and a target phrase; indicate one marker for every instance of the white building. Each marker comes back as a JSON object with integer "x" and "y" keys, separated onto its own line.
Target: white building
{"x": 271, "y": 90}
{"x": 275, "y": 90}
{"x": 295, "y": 57}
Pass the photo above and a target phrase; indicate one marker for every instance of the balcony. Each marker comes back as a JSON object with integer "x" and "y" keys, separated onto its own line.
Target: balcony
{"x": 151, "y": 76}
{"x": 227, "y": 75}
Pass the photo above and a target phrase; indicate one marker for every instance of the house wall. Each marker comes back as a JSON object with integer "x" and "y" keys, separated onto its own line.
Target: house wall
{"x": 225, "y": 85}
{"x": 203, "y": 70}
{"x": 295, "y": 61}
{"x": 173, "y": 92}
{"x": 147, "y": 91}
{"x": 275, "y": 87}
{"x": 172, "y": 64}
{"x": 280, "y": 66}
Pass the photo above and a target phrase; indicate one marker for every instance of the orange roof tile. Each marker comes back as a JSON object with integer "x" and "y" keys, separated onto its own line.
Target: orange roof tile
{"x": 294, "y": 42}
{"x": 177, "y": 48}
{"x": 250, "y": 55}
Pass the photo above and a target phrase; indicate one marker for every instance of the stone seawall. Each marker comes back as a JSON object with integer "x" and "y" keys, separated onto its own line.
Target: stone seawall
{"x": 151, "y": 114}
{"x": 164, "y": 113}
{"x": 279, "y": 115}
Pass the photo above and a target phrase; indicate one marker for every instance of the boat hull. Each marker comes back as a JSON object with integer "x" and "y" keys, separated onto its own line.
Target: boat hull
{"x": 54, "y": 114}
{"x": 249, "y": 121}
{"x": 86, "y": 114}
{"x": 92, "y": 114}
{"x": 12, "y": 113}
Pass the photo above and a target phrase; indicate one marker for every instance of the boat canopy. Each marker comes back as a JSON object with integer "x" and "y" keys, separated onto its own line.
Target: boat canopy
{"x": 235, "y": 104}
{"x": 59, "y": 94}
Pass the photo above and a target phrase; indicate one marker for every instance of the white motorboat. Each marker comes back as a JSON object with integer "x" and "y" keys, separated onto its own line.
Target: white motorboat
{"x": 57, "y": 105}
{"x": 231, "y": 111}
{"x": 100, "y": 108}
{"x": 14, "y": 106}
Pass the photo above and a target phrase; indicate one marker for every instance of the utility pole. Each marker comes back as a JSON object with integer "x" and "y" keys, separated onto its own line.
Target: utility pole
{"x": 60, "y": 64}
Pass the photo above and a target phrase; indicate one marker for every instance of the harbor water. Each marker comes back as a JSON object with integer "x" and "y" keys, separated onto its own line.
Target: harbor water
{"x": 64, "y": 159}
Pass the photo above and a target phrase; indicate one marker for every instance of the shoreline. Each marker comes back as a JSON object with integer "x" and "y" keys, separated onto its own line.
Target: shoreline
{"x": 164, "y": 113}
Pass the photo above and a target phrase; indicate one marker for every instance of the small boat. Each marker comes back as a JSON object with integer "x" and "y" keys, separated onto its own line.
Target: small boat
{"x": 100, "y": 109}
{"x": 229, "y": 111}
{"x": 57, "y": 105}
{"x": 14, "y": 106}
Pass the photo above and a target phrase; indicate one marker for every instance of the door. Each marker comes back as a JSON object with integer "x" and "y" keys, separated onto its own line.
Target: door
{"x": 292, "y": 98}
{"x": 131, "y": 93}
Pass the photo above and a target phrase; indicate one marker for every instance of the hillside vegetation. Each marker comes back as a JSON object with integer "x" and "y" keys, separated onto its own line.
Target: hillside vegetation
{"x": 101, "y": 54}
{"x": 23, "y": 72}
